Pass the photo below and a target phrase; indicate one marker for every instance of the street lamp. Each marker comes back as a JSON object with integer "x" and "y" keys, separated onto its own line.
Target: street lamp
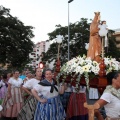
{"x": 102, "y": 34}
{"x": 59, "y": 41}
{"x": 68, "y": 31}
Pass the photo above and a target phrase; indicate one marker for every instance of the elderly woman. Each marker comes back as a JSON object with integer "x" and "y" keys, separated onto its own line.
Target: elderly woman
{"x": 49, "y": 105}
{"x": 110, "y": 98}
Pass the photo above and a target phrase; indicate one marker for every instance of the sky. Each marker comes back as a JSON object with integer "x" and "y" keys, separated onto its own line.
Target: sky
{"x": 44, "y": 15}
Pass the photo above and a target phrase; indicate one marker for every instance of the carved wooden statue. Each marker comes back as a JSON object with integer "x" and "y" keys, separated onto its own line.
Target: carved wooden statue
{"x": 95, "y": 47}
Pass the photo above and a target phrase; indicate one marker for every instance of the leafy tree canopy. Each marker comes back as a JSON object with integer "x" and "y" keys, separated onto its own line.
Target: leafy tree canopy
{"x": 79, "y": 35}
{"x": 79, "y": 32}
{"x": 15, "y": 40}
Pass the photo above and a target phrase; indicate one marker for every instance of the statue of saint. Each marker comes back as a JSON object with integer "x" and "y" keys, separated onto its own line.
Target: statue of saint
{"x": 95, "y": 47}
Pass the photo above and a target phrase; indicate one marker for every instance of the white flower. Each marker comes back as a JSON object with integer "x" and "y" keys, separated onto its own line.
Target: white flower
{"x": 79, "y": 70}
{"x": 85, "y": 66}
{"x": 80, "y": 65}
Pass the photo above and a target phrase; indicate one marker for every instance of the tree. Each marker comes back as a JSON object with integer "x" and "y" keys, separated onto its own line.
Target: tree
{"x": 79, "y": 32}
{"x": 15, "y": 40}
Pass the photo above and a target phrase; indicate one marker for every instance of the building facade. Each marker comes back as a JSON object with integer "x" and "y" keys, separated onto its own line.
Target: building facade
{"x": 117, "y": 36}
{"x": 36, "y": 55}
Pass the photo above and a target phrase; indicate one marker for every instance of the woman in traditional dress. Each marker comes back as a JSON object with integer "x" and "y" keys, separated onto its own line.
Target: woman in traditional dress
{"x": 75, "y": 109}
{"x": 49, "y": 105}
{"x": 28, "y": 110}
{"x": 28, "y": 77}
{"x": 12, "y": 103}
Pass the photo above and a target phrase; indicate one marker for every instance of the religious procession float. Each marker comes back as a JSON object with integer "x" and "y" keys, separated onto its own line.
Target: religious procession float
{"x": 90, "y": 70}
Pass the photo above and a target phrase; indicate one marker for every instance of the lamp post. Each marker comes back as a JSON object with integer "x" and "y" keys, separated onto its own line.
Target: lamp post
{"x": 68, "y": 31}
{"x": 102, "y": 34}
{"x": 102, "y": 71}
{"x": 59, "y": 41}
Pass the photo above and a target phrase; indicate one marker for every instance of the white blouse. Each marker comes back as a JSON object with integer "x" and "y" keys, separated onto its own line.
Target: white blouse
{"x": 15, "y": 83}
{"x": 31, "y": 83}
{"x": 112, "y": 108}
{"x": 45, "y": 91}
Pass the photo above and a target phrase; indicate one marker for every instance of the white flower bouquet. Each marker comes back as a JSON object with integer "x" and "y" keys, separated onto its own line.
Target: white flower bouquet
{"x": 111, "y": 64}
{"x": 83, "y": 66}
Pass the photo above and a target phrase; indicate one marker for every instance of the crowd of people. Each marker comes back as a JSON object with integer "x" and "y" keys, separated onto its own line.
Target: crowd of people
{"x": 32, "y": 97}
